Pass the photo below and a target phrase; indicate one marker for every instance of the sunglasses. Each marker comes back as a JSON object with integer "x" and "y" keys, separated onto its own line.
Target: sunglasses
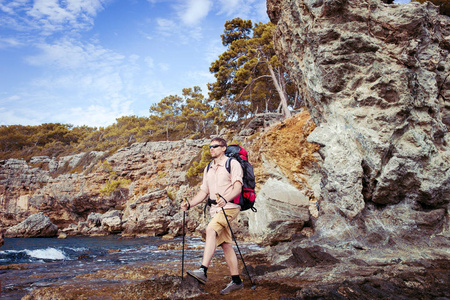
{"x": 215, "y": 146}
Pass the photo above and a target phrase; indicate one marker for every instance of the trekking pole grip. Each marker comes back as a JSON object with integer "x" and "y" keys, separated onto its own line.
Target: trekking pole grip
{"x": 220, "y": 196}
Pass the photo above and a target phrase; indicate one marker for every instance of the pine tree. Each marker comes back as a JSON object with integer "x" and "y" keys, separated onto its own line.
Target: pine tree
{"x": 197, "y": 115}
{"x": 165, "y": 115}
{"x": 249, "y": 76}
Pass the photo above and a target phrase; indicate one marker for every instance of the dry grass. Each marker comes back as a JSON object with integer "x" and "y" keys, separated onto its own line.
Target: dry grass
{"x": 285, "y": 145}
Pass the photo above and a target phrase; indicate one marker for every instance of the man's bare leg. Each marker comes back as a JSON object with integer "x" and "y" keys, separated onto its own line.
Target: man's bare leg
{"x": 230, "y": 258}
{"x": 210, "y": 246}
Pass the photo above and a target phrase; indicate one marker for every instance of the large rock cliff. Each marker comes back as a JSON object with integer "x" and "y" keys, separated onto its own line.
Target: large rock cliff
{"x": 375, "y": 78}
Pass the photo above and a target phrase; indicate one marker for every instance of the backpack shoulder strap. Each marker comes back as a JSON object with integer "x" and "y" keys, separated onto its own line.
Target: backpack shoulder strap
{"x": 228, "y": 164}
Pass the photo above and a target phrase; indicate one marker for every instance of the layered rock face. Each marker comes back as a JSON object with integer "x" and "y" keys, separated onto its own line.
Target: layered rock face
{"x": 69, "y": 189}
{"x": 375, "y": 78}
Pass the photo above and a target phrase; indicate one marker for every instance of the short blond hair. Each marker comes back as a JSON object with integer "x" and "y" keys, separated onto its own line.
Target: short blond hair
{"x": 220, "y": 140}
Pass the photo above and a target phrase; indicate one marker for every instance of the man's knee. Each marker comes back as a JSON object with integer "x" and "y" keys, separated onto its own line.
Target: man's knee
{"x": 227, "y": 246}
{"x": 210, "y": 231}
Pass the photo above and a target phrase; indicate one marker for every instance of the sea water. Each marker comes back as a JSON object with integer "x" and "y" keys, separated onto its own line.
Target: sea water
{"x": 40, "y": 262}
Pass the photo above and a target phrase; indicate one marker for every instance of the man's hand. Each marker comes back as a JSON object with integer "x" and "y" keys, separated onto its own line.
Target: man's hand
{"x": 220, "y": 201}
{"x": 185, "y": 205}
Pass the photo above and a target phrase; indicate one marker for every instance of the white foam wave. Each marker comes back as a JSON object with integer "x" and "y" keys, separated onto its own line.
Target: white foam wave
{"x": 49, "y": 253}
{"x": 78, "y": 249}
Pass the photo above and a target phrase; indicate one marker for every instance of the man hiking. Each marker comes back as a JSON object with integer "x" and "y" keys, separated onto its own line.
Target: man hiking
{"x": 217, "y": 180}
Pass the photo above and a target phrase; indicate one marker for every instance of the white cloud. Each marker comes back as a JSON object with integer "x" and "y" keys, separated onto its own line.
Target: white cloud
{"x": 213, "y": 50}
{"x": 9, "y": 42}
{"x": 181, "y": 33}
{"x": 50, "y": 9}
{"x": 133, "y": 58}
{"x": 8, "y": 117}
{"x": 44, "y": 106}
{"x": 191, "y": 12}
{"x": 72, "y": 54}
{"x": 97, "y": 81}
{"x": 229, "y": 7}
{"x": 166, "y": 26}
{"x": 245, "y": 9}
{"x": 164, "y": 67}
{"x": 13, "y": 6}
{"x": 49, "y": 16}
{"x": 202, "y": 76}
{"x": 149, "y": 62}
{"x": 95, "y": 115}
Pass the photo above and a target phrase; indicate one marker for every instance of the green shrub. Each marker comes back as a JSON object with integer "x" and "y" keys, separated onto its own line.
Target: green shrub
{"x": 196, "y": 170}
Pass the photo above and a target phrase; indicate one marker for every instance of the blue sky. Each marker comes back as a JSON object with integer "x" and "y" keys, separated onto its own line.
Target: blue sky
{"x": 88, "y": 62}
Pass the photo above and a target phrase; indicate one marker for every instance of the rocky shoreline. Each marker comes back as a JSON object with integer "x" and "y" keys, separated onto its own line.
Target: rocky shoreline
{"x": 295, "y": 270}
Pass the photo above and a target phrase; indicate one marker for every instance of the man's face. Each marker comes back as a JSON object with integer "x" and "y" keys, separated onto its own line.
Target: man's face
{"x": 216, "y": 149}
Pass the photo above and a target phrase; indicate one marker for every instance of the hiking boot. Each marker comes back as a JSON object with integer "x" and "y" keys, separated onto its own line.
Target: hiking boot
{"x": 198, "y": 274}
{"x": 231, "y": 287}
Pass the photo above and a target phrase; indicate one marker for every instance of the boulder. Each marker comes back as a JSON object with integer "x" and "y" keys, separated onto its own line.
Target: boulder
{"x": 282, "y": 212}
{"x": 111, "y": 221}
{"x": 37, "y": 225}
{"x": 94, "y": 220}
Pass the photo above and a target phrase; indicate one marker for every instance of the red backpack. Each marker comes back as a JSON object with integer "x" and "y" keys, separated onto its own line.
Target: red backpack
{"x": 248, "y": 196}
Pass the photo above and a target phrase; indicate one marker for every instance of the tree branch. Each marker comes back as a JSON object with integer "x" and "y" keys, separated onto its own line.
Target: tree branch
{"x": 250, "y": 84}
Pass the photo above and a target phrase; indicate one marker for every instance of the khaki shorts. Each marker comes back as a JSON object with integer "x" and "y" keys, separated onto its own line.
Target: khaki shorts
{"x": 220, "y": 225}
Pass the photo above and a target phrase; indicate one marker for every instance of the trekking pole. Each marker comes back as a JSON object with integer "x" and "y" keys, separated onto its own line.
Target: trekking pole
{"x": 234, "y": 238}
{"x": 182, "y": 251}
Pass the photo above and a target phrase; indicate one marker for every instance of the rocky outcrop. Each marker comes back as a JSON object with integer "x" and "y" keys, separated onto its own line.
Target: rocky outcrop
{"x": 70, "y": 189}
{"x": 260, "y": 122}
{"x": 65, "y": 189}
{"x": 375, "y": 80}
{"x": 37, "y": 225}
{"x": 147, "y": 216}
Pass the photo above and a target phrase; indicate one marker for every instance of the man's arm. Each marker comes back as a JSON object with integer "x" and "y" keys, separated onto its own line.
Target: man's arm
{"x": 236, "y": 191}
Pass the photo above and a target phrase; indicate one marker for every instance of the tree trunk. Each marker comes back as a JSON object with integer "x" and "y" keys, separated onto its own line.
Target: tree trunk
{"x": 280, "y": 91}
